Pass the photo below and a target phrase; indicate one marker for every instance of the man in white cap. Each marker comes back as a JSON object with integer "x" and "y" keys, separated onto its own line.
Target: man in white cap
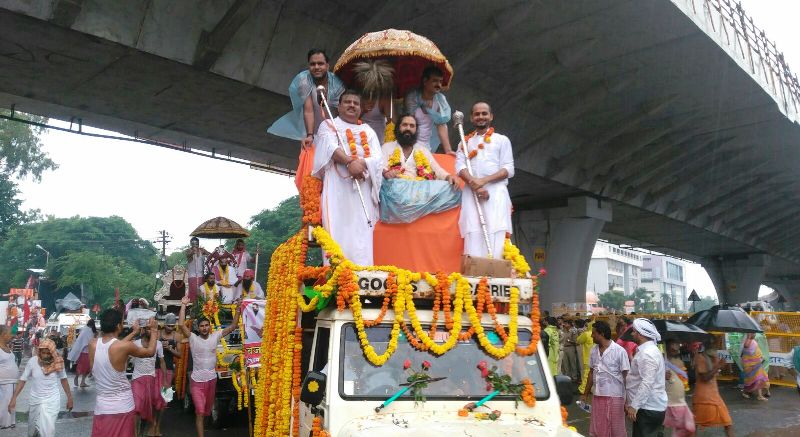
{"x": 645, "y": 383}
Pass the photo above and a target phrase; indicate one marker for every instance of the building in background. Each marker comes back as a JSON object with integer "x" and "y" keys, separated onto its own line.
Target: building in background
{"x": 613, "y": 268}
{"x": 665, "y": 278}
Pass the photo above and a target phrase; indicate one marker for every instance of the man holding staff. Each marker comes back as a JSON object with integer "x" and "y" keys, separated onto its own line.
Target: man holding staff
{"x": 492, "y": 165}
{"x": 349, "y": 153}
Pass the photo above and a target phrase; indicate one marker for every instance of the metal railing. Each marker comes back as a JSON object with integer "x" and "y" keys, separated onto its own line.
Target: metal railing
{"x": 728, "y": 20}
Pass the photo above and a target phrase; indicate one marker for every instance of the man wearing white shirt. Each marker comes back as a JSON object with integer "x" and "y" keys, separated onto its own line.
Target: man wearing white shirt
{"x": 342, "y": 210}
{"x": 608, "y": 367}
{"x": 406, "y": 146}
{"x": 225, "y": 274}
{"x": 203, "y": 347}
{"x": 646, "y": 392}
{"x": 492, "y": 161}
{"x": 242, "y": 258}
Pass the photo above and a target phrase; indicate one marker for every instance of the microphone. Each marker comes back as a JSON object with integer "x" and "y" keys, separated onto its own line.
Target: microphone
{"x": 458, "y": 118}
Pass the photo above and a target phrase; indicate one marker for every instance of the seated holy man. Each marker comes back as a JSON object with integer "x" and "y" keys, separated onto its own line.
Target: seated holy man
{"x": 415, "y": 184}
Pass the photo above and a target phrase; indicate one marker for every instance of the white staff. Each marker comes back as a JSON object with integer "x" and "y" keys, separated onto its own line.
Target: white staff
{"x": 321, "y": 93}
{"x": 458, "y": 121}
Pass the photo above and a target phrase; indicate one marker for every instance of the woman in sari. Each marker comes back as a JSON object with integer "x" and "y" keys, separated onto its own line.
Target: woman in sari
{"x": 755, "y": 377}
{"x": 708, "y": 407}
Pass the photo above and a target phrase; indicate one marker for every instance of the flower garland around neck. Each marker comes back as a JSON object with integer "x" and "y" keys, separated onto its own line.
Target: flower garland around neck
{"x": 351, "y": 141}
{"x": 421, "y": 163}
{"x": 223, "y": 276}
{"x": 487, "y": 138}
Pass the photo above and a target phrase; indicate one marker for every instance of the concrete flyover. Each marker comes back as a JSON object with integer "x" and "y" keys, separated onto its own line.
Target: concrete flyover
{"x": 669, "y": 125}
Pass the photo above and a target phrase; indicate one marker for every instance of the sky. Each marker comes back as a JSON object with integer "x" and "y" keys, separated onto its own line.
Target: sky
{"x": 155, "y": 188}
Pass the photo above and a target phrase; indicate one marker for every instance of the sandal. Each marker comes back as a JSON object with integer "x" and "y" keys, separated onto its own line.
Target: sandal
{"x": 761, "y": 398}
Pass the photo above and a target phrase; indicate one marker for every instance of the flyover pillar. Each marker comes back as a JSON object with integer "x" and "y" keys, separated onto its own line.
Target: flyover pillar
{"x": 790, "y": 291}
{"x": 561, "y": 240}
{"x": 737, "y": 278}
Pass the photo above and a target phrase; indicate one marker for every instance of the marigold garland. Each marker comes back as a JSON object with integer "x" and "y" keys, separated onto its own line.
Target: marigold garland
{"x": 351, "y": 141}
{"x": 310, "y": 199}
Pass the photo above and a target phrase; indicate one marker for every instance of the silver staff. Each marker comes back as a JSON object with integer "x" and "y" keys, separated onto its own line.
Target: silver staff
{"x": 458, "y": 121}
{"x": 321, "y": 93}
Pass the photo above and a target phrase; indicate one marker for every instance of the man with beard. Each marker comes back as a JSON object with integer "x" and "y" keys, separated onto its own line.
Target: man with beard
{"x": 430, "y": 107}
{"x": 401, "y": 155}
{"x": 492, "y": 164}
{"x": 226, "y": 278}
{"x": 342, "y": 210}
{"x": 204, "y": 358}
{"x": 248, "y": 288}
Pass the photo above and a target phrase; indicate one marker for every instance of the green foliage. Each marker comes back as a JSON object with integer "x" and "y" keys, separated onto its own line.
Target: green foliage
{"x": 270, "y": 228}
{"x": 101, "y": 253}
{"x": 643, "y": 301}
{"x": 613, "y": 300}
{"x": 704, "y": 303}
{"x": 21, "y": 155}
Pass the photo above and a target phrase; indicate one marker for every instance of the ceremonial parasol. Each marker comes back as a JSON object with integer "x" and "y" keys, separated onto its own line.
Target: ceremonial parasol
{"x": 408, "y": 53}
{"x": 673, "y": 330}
{"x": 725, "y": 319}
{"x": 220, "y": 227}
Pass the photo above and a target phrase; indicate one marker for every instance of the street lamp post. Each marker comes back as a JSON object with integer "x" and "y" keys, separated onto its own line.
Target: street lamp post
{"x": 47, "y": 255}
{"x": 46, "y": 262}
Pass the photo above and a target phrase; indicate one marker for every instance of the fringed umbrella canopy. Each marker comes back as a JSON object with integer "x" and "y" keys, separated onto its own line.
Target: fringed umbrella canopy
{"x": 220, "y": 227}
{"x": 408, "y": 53}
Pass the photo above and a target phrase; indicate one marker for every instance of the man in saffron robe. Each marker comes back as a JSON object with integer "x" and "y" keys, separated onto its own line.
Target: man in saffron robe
{"x": 342, "y": 212}
{"x": 708, "y": 407}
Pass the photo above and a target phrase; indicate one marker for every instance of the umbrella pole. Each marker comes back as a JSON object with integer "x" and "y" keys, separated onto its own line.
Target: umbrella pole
{"x": 321, "y": 93}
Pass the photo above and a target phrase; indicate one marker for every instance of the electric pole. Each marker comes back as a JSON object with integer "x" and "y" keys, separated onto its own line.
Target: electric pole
{"x": 163, "y": 238}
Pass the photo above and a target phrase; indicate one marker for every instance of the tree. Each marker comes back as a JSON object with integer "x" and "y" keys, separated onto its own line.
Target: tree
{"x": 82, "y": 251}
{"x": 612, "y": 300}
{"x": 271, "y": 227}
{"x": 21, "y": 155}
{"x": 706, "y": 302}
{"x": 642, "y": 300}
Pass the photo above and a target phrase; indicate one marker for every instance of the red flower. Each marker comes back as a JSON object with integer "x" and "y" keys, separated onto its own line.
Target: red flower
{"x": 484, "y": 372}
{"x": 426, "y": 365}
{"x": 482, "y": 365}
{"x": 542, "y": 272}
{"x": 406, "y": 364}
{"x": 488, "y": 387}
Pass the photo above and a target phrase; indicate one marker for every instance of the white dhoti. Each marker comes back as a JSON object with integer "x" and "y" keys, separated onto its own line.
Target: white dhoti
{"x": 42, "y": 417}
{"x": 342, "y": 212}
{"x": 475, "y": 245}
{"x": 6, "y": 391}
{"x": 490, "y": 158}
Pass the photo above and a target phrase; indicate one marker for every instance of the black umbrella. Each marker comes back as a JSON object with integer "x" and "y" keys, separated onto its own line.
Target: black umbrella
{"x": 727, "y": 319}
{"x": 673, "y": 330}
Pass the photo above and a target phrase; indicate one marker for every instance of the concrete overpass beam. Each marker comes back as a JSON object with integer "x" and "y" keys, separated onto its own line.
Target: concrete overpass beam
{"x": 65, "y": 12}
{"x": 212, "y": 44}
{"x": 567, "y": 235}
{"x": 737, "y": 278}
{"x": 790, "y": 291}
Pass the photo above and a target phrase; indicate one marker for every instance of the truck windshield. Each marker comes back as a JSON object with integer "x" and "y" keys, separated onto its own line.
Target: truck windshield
{"x": 358, "y": 378}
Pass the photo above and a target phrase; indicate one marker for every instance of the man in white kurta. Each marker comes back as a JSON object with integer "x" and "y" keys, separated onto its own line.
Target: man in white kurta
{"x": 225, "y": 275}
{"x": 342, "y": 213}
{"x": 492, "y": 166}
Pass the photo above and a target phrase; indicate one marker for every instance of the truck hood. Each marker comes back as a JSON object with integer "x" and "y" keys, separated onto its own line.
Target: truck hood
{"x": 437, "y": 425}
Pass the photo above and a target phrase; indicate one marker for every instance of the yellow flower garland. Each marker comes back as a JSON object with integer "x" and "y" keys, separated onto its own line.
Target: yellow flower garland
{"x": 512, "y": 253}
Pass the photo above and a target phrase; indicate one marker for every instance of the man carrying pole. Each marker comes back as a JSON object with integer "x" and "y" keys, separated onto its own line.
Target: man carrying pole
{"x": 349, "y": 161}
{"x": 485, "y": 162}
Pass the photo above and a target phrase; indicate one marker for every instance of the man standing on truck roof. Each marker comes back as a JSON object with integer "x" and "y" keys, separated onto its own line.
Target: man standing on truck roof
{"x": 492, "y": 161}
{"x": 342, "y": 209}
{"x": 114, "y": 413}
{"x": 204, "y": 358}
{"x": 195, "y": 262}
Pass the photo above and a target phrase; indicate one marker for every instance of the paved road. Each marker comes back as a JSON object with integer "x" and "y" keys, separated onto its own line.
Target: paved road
{"x": 779, "y": 417}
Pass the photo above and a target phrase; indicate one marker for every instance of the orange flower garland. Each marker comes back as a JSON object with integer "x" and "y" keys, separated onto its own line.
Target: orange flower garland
{"x": 296, "y": 380}
{"x": 487, "y": 138}
{"x": 391, "y": 290}
{"x": 347, "y": 286}
{"x": 483, "y": 287}
{"x": 528, "y": 394}
{"x": 316, "y": 427}
{"x": 310, "y": 200}
{"x": 351, "y": 141}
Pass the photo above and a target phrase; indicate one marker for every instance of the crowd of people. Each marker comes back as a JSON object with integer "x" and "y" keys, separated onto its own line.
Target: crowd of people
{"x": 633, "y": 378}
{"x": 124, "y": 406}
